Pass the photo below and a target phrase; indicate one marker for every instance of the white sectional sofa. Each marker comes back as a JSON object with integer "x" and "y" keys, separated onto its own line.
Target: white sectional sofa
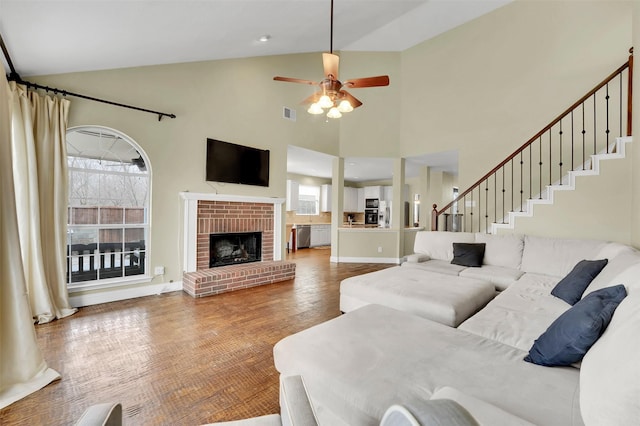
{"x": 385, "y": 351}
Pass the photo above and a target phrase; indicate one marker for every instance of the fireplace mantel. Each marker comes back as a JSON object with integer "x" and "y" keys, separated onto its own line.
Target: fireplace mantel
{"x": 191, "y": 223}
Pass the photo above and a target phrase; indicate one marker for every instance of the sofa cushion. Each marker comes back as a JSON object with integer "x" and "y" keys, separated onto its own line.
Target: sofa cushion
{"x": 502, "y": 250}
{"x": 439, "y": 244}
{"x": 609, "y": 385}
{"x": 556, "y": 256}
{"x": 520, "y": 314}
{"x": 500, "y": 277}
{"x": 360, "y": 363}
{"x": 571, "y": 287}
{"x": 443, "y": 298}
{"x": 483, "y": 412}
{"x": 417, "y": 258}
{"x": 570, "y": 336}
{"x": 468, "y": 254}
{"x": 443, "y": 412}
{"x": 440, "y": 266}
{"x": 622, "y": 269}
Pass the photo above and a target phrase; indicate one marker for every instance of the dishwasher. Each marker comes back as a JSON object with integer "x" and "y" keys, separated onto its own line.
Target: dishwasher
{"x": 303, "y": 236}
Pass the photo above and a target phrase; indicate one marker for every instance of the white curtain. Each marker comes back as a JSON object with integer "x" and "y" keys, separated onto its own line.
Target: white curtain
{"x": 39, "y": 125}
{"x": 22, "y": 367}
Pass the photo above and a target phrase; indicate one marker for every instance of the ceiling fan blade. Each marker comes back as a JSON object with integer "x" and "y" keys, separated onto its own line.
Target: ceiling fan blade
{"x": 313, "y": 98}
{"x": 352, "y": 100}
{"x": 356, "y": 83}
{"x": 295, "y": 80}
{"x": 331, "y": 63}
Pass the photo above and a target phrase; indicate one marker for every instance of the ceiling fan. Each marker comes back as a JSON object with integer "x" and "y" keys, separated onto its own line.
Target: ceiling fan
{"x": 332, "y": 95}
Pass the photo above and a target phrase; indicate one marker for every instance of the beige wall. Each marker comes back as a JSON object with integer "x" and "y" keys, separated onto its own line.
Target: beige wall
{"x": 482, "y": 89}
{"x": 232, "y": 100}
{"x": 364, "y": 243}
{"x": 372, "y": 130}
{"x": 486, "y": 87}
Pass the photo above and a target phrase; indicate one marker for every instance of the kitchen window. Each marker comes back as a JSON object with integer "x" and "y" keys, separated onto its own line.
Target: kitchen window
{"x": 308, "y": 200}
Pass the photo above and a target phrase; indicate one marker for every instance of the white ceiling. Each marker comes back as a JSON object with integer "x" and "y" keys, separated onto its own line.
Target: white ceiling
{"x": 60, "y": 36}
{"x": 56, "y": 36}
{"x": 306, "y": 162}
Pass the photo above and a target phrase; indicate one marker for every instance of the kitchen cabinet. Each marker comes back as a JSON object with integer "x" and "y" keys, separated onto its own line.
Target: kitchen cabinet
{"x": 325, "y": 198}
{"x": 293, "y": 193}
{"x": 373, "y": 192}
{"x": 360, "y": 208}
{"x": 350, "y": 200}
{"x": 320, "y": 235}
{"x": 353, "y": 199}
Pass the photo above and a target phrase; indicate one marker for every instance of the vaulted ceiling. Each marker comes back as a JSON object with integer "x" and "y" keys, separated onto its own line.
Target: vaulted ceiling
{"x": 59, "y": 36}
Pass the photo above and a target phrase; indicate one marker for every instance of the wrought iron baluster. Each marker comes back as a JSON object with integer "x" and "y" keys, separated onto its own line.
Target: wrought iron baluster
{"x": 512, "y": 184}
{"x": 594, "y": 124}
{"x": 472, "y": 207}
{"x": 521, "y": 178}
{"x": 620, "y": 96}
{"x": 464, "y": 212}
{"x": 479, "y": 210}
{"x": 540, "y": 164}
{"x": 560, "y": 163}
{"x": 584, "y": 134}
{"x": 530, "y": 170}
{"x": 503, "y": 191}
{"x": 607, "y": 104}
{"x": 572, "y": 137}
{"x": 486, "y": 205}
{"x": 550, "y": 161}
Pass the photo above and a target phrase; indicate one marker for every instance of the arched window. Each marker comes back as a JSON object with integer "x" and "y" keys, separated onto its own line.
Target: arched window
{"x": 108, "y": 224}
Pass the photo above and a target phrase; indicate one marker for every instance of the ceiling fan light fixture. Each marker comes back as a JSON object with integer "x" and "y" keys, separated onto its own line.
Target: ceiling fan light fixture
{"x": 325, "y": 102}
{"x": 314, "y": 108}
{"x": 345, "y": 106}
{"x": 334, "y": 113}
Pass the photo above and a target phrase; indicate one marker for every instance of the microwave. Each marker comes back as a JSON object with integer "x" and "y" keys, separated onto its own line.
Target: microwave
{"x": 371, "y": 203}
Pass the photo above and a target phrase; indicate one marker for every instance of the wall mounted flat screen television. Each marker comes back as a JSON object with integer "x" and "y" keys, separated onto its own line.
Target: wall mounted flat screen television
{"x": 232, "y": 163}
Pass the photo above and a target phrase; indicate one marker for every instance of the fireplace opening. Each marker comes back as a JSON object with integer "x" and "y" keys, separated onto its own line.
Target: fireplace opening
{"x": 234, "y": 248}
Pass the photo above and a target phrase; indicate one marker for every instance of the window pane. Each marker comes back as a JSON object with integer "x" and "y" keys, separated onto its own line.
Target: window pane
{"x": 111, "y": 190}
{"x": 83, "y": 215}
{"x": 111, "y": 215}
{"x": 135, "y": 215}
{"x": 82, "y": 236}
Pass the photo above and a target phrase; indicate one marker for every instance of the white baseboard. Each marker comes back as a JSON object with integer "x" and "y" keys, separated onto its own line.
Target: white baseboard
{"x": 339, "y": 259}
{"x": 116, "y": 294}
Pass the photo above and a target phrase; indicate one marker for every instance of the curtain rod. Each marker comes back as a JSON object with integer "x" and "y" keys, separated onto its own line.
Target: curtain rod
{"x": 14, "y": 76}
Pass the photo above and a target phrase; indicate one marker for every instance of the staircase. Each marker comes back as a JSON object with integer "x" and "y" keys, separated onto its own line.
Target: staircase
{"x": 567, "y": 183}
{"x": 596, "y": 127}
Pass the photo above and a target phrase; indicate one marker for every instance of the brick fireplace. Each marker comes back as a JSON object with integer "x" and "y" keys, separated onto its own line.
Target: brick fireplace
{"x": 207, "y": 214}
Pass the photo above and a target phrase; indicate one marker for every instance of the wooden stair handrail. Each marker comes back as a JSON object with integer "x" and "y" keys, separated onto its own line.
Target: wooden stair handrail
{"x": 628, "y": 64}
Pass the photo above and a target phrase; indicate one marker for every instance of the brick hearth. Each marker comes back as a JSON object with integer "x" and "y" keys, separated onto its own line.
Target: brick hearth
{"x": 221, "y": 216}
{"x": 212, "y": 281}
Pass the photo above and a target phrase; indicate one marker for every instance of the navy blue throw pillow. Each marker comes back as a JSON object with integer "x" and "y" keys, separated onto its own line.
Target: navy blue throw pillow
{"x": 468, "y": 254}
{"x": 571, "y": 287}
{"x": 571, "y": 335}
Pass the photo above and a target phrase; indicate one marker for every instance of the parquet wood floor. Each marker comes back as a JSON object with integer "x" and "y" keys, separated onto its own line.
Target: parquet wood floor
{"x": 174, "y": 360}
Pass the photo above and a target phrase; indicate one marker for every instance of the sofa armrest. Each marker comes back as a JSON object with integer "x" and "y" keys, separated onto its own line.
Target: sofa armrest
{"x": 418, "y": 257}
{"x": 482, "y": 411}
{"x": 107, "y": 414}
{"x": 295, "y": 406}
